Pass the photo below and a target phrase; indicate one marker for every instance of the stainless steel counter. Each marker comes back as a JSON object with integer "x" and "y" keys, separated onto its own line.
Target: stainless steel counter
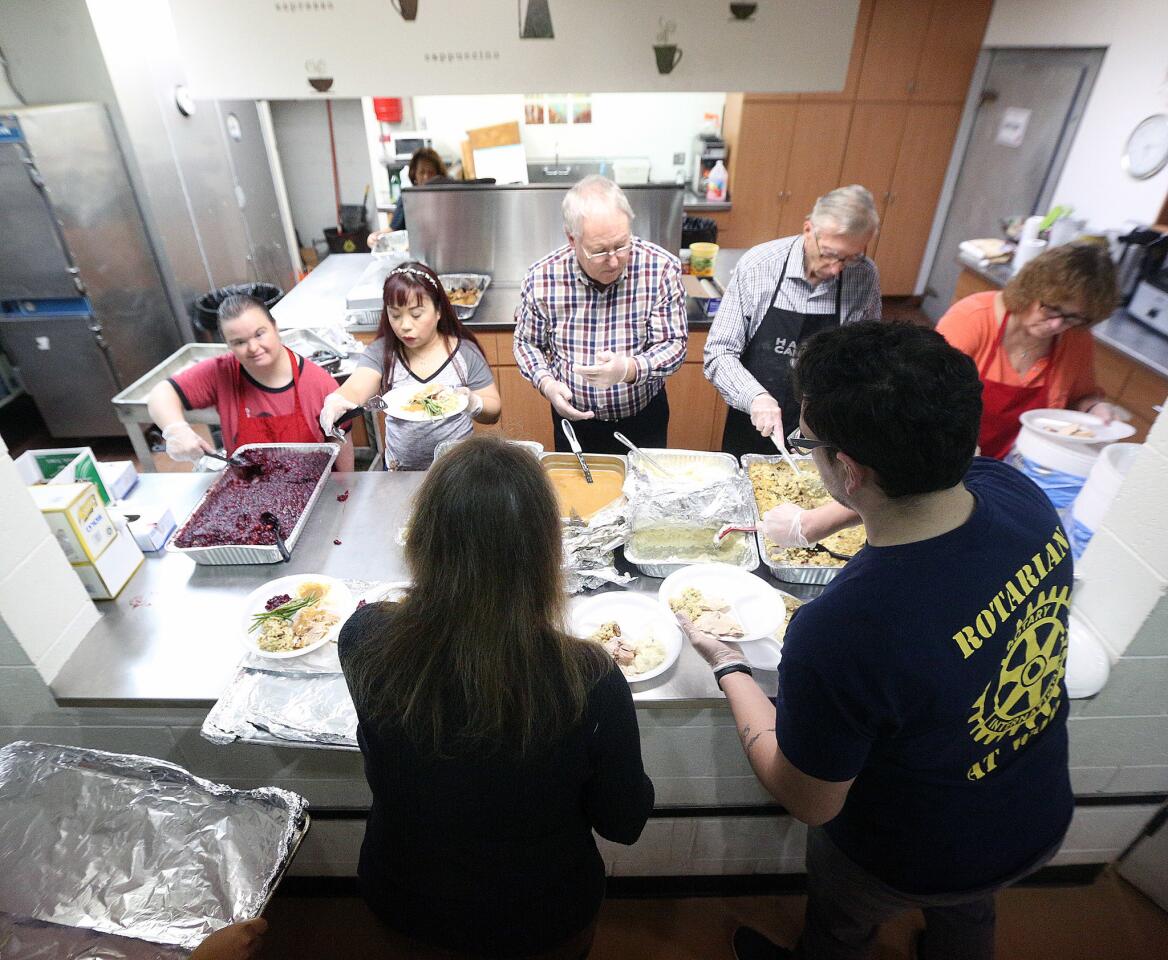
{"x": 171, "y": 638}
{"x": 1120, "y": 331}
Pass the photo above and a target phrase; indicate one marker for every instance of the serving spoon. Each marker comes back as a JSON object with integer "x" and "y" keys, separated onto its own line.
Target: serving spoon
{"x": 621, "y": 438}
{"x": 237, "y": 461}
{"x": 272, "y": 522}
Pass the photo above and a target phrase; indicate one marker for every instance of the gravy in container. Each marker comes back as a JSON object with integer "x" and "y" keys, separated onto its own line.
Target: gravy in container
{"x": 572, "y": 490}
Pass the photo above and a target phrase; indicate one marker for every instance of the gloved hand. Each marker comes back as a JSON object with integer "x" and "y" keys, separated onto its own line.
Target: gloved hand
{"x": 610, "y": 368}
{"x": 560, "y": 397}
{"x": 239, "y": 941}
{"x": 183, "y": 444}
{"x": 474, "y": 403}
{"x": 717, "y": 653}
{"x": 1107, "y": 411}
{"x": 334, "y": 405}
{"x": 766, "y": 414}
{"x": 784, "y": 525}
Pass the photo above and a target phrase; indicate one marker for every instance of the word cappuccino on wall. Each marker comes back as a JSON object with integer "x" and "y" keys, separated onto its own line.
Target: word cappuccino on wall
{"x": 257, "y": 49}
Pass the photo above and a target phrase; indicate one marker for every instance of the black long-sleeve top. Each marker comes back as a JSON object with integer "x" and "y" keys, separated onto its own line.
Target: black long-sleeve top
{"x": 490, "y": 854}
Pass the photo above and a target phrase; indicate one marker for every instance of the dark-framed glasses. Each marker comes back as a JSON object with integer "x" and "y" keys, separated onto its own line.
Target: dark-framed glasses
{"x": 1058, "y": 313}
{"x": 617, "y": 252}
{"x": 797, "y": 443}
{"x": 832, "y": 257}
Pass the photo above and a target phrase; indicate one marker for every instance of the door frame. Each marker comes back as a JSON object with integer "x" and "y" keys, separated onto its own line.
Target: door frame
{"x": 977, "y": 86}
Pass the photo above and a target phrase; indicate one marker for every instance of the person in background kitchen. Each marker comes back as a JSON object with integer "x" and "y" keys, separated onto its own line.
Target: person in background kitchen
{"x": 494, "y": 741}
{"x": 780, "y": 294}
{"x": 425, "y": 167}
{"x": 263, "y": 391}
{"x": 920, "y": 726}
{"x": 1032, "y": 340}
{"x": 421, "y": 342}
{"x": 601, "y": 324}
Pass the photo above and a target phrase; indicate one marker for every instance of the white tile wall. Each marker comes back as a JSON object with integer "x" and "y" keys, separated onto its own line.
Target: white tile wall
{"x": 21, "y": 523}
{"x": 1122, "y": 741}
{"x": 1137, "y": 687}
{"x": 1141, "y": 779}
{"x": 1151, "y": 639}
{"x": 1116, "y": 592}
{"x": 1139, "y": 515}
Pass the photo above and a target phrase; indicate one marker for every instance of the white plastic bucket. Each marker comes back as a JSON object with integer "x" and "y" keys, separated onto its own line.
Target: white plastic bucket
{"x": 1044, "y": 450}
{"x": 1103, "y": 483}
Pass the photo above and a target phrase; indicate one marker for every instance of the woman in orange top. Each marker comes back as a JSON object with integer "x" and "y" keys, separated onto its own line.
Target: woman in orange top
{"x": 1031, "y": 341}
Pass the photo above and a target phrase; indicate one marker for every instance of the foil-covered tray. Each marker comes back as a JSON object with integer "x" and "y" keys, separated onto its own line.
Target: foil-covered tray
{"x": 263, "y": 553}
{"x": 466, "y": 281}
{"x": 137, "y": 847}
{"x": 25, "y": 938}
{"x": 787, "y": 572}
{"x": 690, "y": 465}
{"x": 533, "y": 447}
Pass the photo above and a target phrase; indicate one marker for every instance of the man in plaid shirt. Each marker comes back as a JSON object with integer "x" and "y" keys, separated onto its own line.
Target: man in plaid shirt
{"x": 601, "y": 324}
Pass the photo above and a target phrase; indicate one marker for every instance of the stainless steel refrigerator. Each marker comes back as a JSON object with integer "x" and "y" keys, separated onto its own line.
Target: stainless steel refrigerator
{"x": 83, "y": 309}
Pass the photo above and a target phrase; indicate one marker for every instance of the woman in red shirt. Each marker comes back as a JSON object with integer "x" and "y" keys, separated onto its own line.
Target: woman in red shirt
{"x": 1031, "y": 341}
{"x": 264, "y": 392}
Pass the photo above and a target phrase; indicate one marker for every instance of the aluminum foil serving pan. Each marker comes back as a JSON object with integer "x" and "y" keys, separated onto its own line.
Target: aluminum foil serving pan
{"x": 137, "y": 847}
{"x": 810, "y": 573}
{"x": 231, "y": 553}
{"x": 465, "y": 291}
{"x": 684, "y": 467}
{"x": 658, "y": 566}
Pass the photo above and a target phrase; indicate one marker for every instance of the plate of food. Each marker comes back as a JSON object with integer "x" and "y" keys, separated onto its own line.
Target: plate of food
{"x": 1073, "y": 426}
{"x": 638, "y": 635}
{"x": 435, "y": 401}
{"x": 295, "y": 615}
{"x": 725, "y": 601}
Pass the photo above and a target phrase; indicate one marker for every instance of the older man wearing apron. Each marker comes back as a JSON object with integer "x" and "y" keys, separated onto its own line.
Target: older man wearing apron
{"x": 782, "y": 293}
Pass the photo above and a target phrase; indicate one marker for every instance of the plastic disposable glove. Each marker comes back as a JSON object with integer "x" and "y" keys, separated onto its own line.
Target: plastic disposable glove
{"x": 766, "y": 414}
{"x": 183, "y": 444}
{"x": 474, "y": 403}
{"x": 784, "y": 525}
{"x": 610, "y": 368}
{"x": 1107, "y": 411}
{"x": 239, "y": 941}
{"x": 334, "y": 405}
{"x": 560, "y": 397}
{"x": 717, "y": 653}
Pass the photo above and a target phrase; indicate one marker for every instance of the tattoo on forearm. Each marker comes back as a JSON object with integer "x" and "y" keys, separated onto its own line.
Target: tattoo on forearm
{"x": 748, "y": 744}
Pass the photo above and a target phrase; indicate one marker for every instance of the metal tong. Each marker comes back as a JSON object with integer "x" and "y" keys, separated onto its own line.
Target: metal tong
{"x": 575, "y": 445}
{"x": 373, "y": 403}
{"x": 621, "y": 438}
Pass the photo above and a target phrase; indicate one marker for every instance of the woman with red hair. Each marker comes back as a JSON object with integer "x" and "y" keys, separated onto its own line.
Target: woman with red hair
{"x": 421, "y": 343}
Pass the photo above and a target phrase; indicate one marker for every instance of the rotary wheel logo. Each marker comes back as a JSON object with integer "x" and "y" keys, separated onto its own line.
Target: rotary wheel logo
{"x": 1028, "y": 684}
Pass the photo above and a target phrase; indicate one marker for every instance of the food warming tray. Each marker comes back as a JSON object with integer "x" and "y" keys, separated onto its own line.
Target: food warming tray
{"x": 249, "y": 553}
{"x": 465, "y": 281}
{"x": 787, "y": 572}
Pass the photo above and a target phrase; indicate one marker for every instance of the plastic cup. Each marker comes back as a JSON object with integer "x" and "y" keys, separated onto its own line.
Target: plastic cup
{"x": 702, "y": 257}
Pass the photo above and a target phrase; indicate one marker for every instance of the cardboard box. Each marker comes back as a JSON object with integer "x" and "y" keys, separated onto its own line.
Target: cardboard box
{"x": 105, "y": 577}
{"x": 119, "y": 476}
{"x": 705, "y": 291}
{"x": 62, "y": 465}
{"x": 152, "y": 528}
{"x": 77, "y": 517}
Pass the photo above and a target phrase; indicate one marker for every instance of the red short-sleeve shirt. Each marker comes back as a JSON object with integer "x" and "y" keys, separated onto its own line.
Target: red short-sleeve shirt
{"x": 211, "y": 383}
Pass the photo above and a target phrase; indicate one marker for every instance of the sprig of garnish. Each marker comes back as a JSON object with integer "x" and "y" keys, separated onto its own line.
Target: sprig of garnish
{"x": 285, "y": 612}
{"x": 432, "y": 406}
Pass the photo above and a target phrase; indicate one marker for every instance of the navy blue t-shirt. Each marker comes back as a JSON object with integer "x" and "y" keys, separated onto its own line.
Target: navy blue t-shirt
{"x": 932, "y": 673}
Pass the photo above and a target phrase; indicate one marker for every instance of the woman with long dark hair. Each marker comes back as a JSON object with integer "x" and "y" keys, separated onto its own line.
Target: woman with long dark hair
{"x": 421, "y": 343}
{"x": 494, "y": 742}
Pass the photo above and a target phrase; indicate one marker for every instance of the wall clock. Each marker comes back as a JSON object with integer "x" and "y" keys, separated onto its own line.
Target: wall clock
{"x": 1146, "y": 153}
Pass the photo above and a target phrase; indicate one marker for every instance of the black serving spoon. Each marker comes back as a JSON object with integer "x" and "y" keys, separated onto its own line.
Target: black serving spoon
{"x": 246, "y": 469}
{"x": 272, "y": 522}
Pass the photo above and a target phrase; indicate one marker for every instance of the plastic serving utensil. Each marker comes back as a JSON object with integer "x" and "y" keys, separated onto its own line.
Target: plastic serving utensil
{"x": 247, "y": 469}
{"x": 575, "y": 445}
{"x": 272, "y": 522}
{"x": 621, "y": 438}
{"x": 728, "y": 528}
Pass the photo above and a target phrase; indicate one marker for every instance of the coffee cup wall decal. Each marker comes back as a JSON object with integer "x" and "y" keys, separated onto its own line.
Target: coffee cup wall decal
{"x": 407, "y": 8}
{"x": 668, "y": 53}
{"x": 743, "y": 11}
{"x": 318, "y": 77}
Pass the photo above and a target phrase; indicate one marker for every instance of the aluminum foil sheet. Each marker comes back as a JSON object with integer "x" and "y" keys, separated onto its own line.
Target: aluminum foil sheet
{"x": 589, "y": 548}
{"x": 265, "y": 706}
{"x": 23, "y": 938}
{"x": 137, "y": 847}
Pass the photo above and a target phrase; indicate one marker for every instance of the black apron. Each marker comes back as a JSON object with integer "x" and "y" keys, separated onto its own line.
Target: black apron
{"x": 768, "y": 357}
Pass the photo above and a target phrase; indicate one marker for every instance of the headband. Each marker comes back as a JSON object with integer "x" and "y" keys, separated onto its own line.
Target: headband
{"x": 414, "y": 272}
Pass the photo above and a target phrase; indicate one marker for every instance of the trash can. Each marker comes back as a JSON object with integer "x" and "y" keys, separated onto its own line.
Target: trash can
{"x": 698, "y": 230}
{"x": 207, "y": 306}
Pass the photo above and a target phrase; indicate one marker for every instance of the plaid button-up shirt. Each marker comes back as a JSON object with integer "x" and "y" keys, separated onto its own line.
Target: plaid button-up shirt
{"x": 749, "y": 295}
{"x": 564, "y": 319}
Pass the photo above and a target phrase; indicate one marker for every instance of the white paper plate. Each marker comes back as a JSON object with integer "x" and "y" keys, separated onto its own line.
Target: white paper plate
{"x": 638, "y": 614}
{"x": 396, "y": 401}
{"x": 1048, "y": 421}
{"x": 338, "y": 600}
{"x": 753, "y": 603}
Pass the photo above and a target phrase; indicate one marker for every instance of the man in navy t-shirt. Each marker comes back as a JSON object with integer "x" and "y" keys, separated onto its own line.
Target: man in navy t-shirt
{"x": 920, "y": 725}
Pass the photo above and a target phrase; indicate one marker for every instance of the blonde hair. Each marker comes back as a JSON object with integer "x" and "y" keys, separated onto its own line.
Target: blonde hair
{"x": 1078, "y": 273}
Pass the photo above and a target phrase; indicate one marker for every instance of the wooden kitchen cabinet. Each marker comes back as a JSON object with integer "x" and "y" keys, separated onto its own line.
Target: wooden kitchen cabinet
{"x": 697, "y": 411}
{"x": 818, "y": 143}
{"x": 759, "y": 134}
{"x": 896, "y": 36}
{"x": 873, "y": 145}
{"x": 921, "y": 163}
{"x": 950, "y": 50}
{"x": 1132, "y": 386}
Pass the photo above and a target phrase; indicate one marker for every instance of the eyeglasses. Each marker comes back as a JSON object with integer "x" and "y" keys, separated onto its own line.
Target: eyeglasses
{"x": 798, "y": 443}
{"x": 617, "y": 252}
{"x": 835, "y": 257}
{"x": 1057, "y": 313}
